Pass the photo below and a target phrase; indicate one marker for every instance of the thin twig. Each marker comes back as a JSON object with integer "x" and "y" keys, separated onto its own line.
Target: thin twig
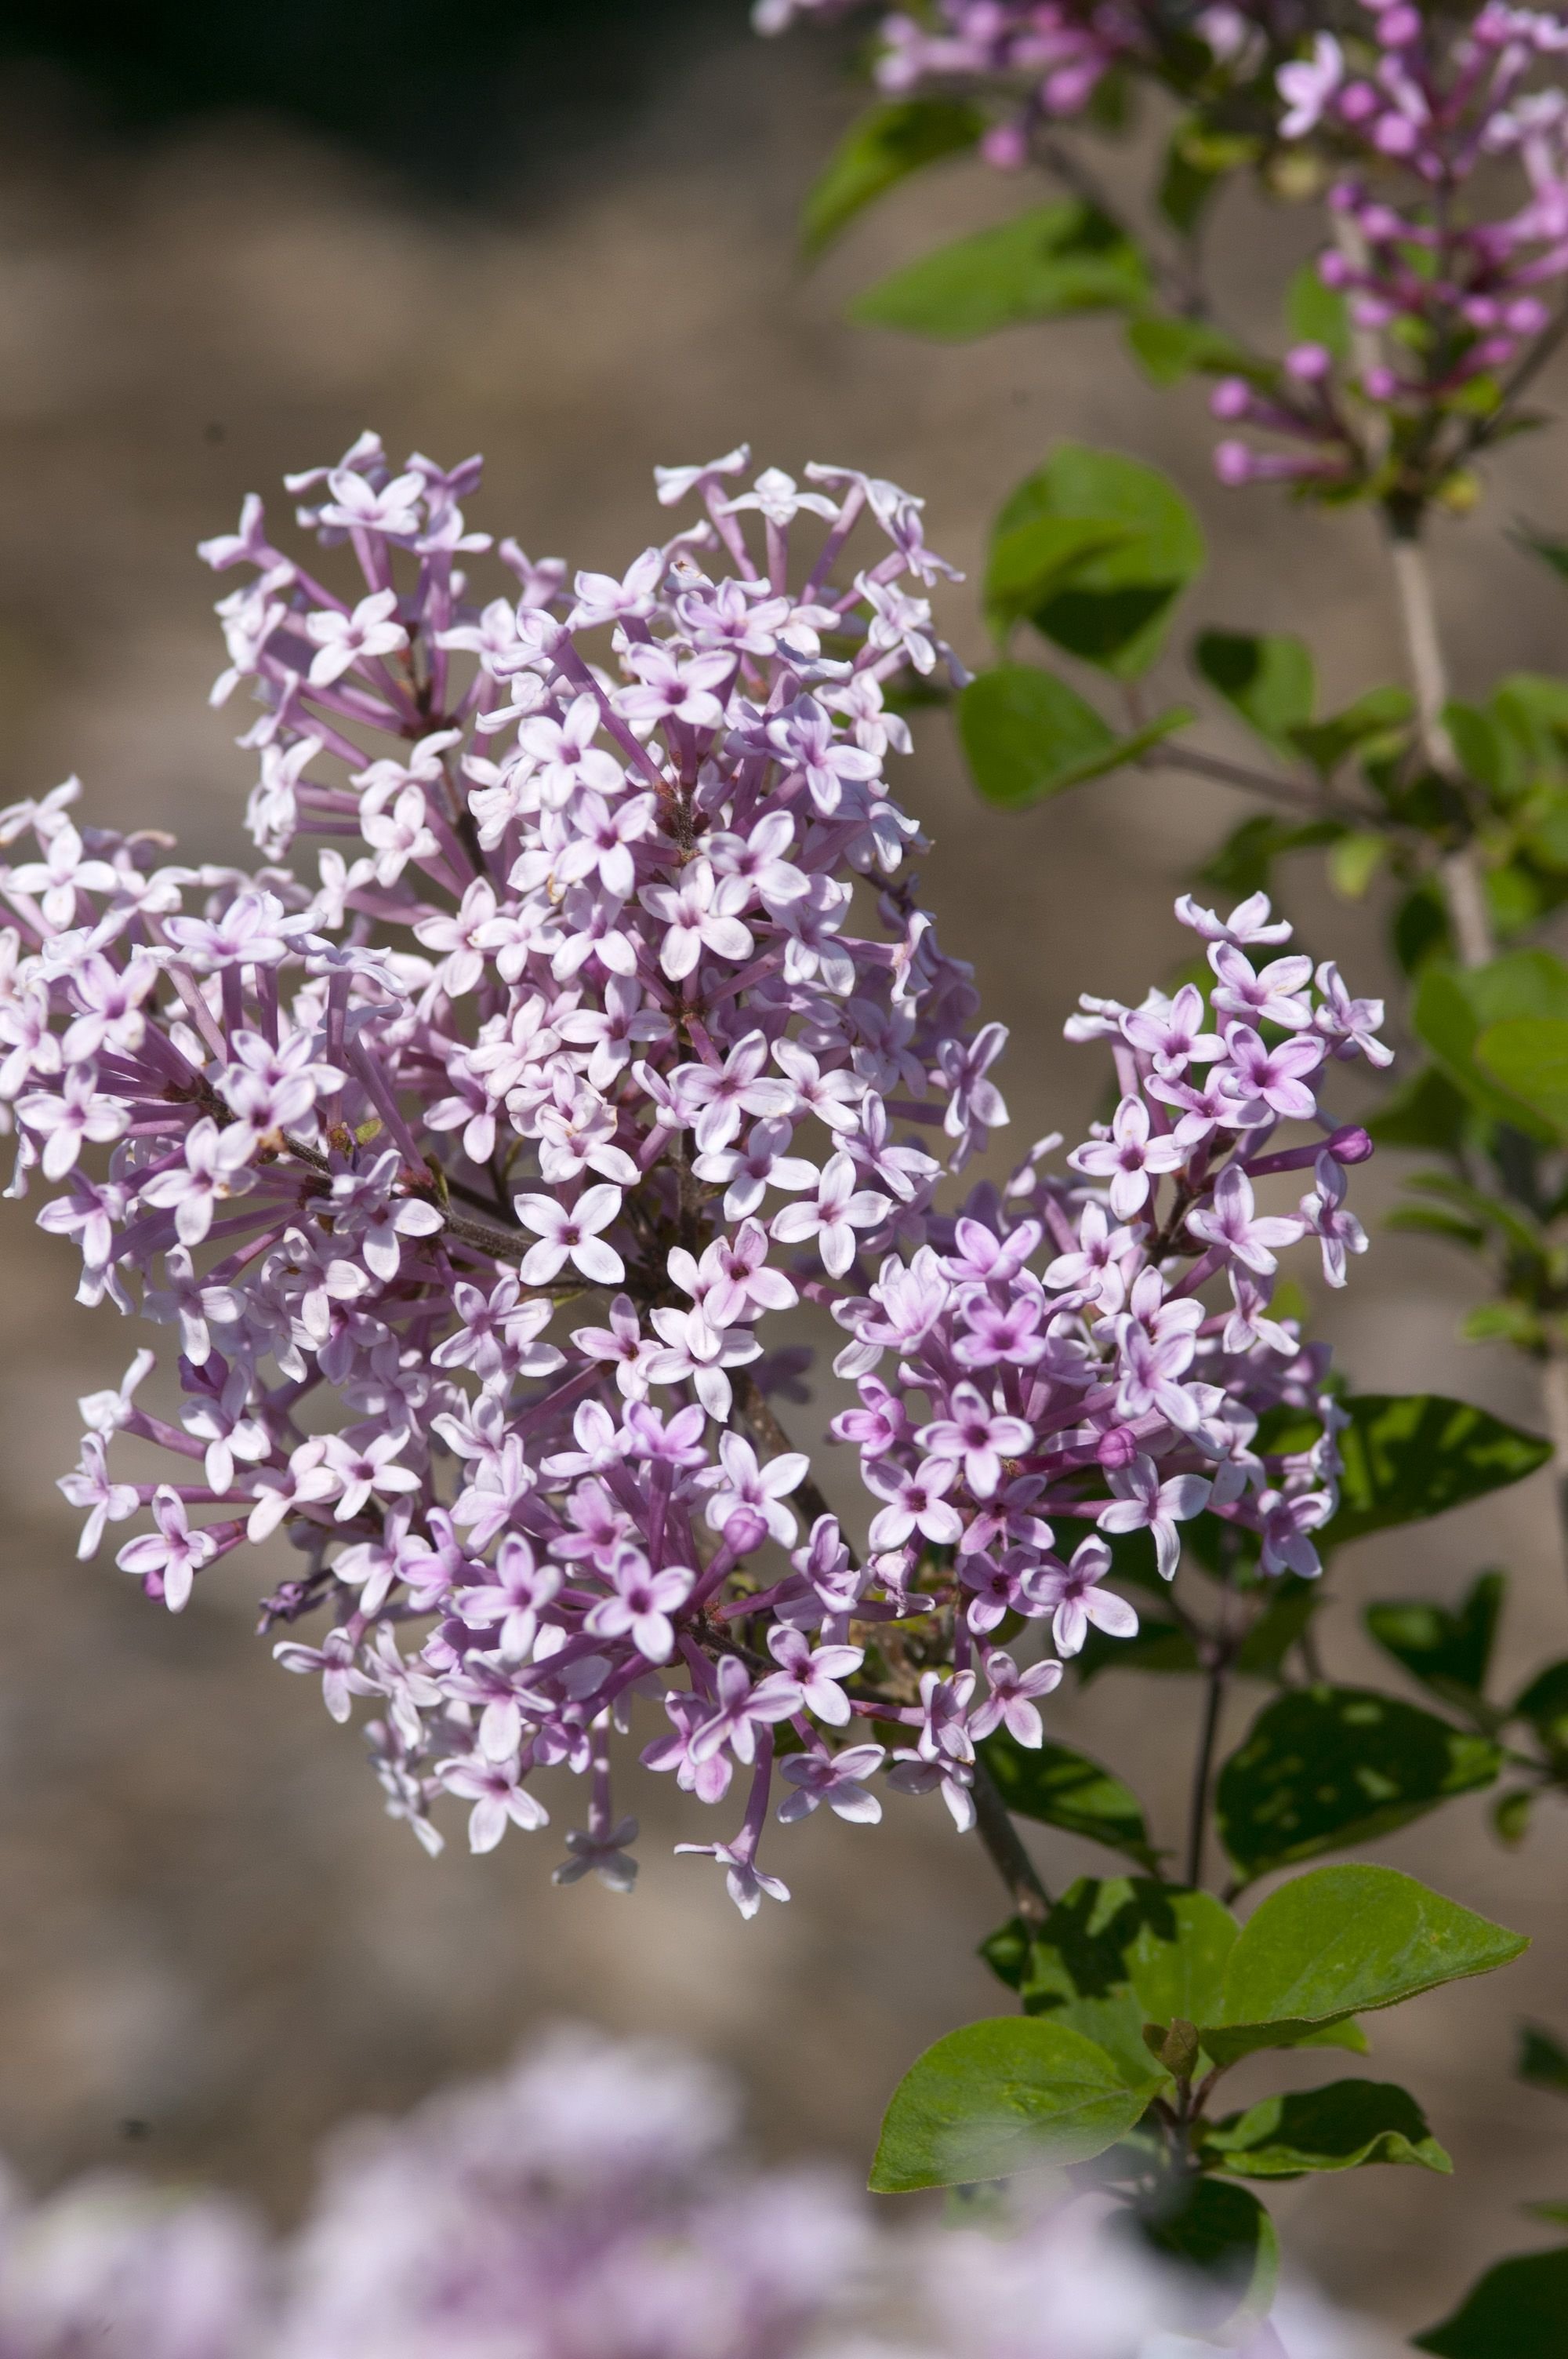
{"x": 1297, "y": 794}
{"x": 993, "y": 1823}
{"x": 1203, "y": 1770}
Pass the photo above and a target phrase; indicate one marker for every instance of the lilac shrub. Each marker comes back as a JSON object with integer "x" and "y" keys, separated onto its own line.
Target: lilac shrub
{"x": 467, "y": 1174}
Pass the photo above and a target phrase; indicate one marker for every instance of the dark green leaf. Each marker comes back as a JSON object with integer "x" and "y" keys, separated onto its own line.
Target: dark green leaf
{"x": 1245, "y": 861}
{"x": 1419, "y": 933}
{"x": 1543, "y": 2060}
{"x": 1448, "y": 1652}
{"x": 1454, "y": 1008}
{"x": 1192, "y": 174}
{"x": 883, "y": 148}
{"x": 1343, "y": 1941}
{"x": 1553, "y": 553}
{"x": 1223, "y": 2230}
{"x": 1053, "y": 260}
{"x": 1064, "y": 1788}
{"x": 1115, "y": 610}
{"x": 1290, "y": 1606}
{"x": 1169, "y": 349}
{"x": 1380, "y": 714}
{"x": 1426, "y": 1110}
{"x": 1116, "y": 1953}
{"x": 1159, "y": 1645}
{"x": 1411, "y": 1455}
{"x": 1316, "y": 314}
{"x": 1339, "y": 2127}
{"x": 1032, "y": 560}
{"x": 1269, "y": 682}
{"x": 1533, "y": 708}
{"x": 1517, "y": 2311}
{"x": 1486, "y": 751}
{"x": 1544, "y": 1704}
{"x": 1026, "y": 734}
{"x": 997, "y": 2097}
{"x": 1529, "y": 1055}
{"x": 1006, "y": 1952}
{"x": 1325, "y": 1767}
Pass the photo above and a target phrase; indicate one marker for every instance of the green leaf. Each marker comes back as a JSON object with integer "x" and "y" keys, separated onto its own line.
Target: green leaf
{"x": 1529, "y": 1055}
{"x": 1515, "y": 2312}
{"x": 1159, "y": 1645}
{"x": 1551, "y": 552}
{"x": 1026, "y": 736}
{"x": 1425, "y": 1111}
{"x": 1316, "y": 314}
{"x": 883, "y": 148}
{"x": 1222, "y": 2230}
{"x": 1544, "y": 1704}
{"x": 1411, "y": 1455}
{"x": 1339, "y": 2127}
{"x": 1043, "y": 264}
{"x": 1269, "y": 682}
{"x": 1169, "y": 349}
{"x": 1188, "y": 182}
{"x": 1116, "y": 1953}
{"x": 1062, "y": 1788}
{"x": 1381, "y": 712}
{"x": 1115, "y": 610}
{"x": 1245, "y": 861}
{"x": 1323, "y": 1767}
{"x": 1343, "y": 1941}
{"x": 1011, "y": 2095}
{"x": 1454, "y": 1008}
{"x": 1543, "y": 2060}
{"x": 1290, "y": 1606}
{"x": 1448, "y": 1652}
{"x": 1032, "y": 560}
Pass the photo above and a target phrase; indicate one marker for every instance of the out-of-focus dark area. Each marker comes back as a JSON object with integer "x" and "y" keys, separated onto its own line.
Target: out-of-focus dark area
{"x": 228, "y": 241}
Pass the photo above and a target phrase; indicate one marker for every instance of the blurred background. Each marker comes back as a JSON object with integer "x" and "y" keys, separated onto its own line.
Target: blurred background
{"x": 566, "y": 237}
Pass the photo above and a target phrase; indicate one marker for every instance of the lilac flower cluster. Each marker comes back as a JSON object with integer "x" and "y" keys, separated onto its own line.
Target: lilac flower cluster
{"x": 1443, "y": 291}
{"x": 1039, "y": 61}
{"x": 590, "y": 2201}
{"x": 583, "y": 1017}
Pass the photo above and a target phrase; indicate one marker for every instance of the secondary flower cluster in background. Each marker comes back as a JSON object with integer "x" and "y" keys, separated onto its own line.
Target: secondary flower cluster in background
{"x": 591, "y": 2198}
{"x": 466, "y": 1173}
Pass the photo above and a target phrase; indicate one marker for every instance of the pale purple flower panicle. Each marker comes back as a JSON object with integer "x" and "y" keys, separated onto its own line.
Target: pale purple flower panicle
{"x": 1446, "y": 264}
{"x": 465, "y": 1172}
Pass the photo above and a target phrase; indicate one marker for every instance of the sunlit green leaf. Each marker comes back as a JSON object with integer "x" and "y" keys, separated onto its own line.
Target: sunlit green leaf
{"x": 1529, "y": 1055}
{"x": 1268, "y": 681}
{"x": 1011, "y": 2095}
{"x": 1115, "y": 610}
{"x": 1454, "y": 1008}
{"x": 1026, "y": 736}
{"x": 1055, "y": 259}
{"x": 883, "y": 148}
{"x": 1343, "y": 1940}
{"x": 1168, "y": 349}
